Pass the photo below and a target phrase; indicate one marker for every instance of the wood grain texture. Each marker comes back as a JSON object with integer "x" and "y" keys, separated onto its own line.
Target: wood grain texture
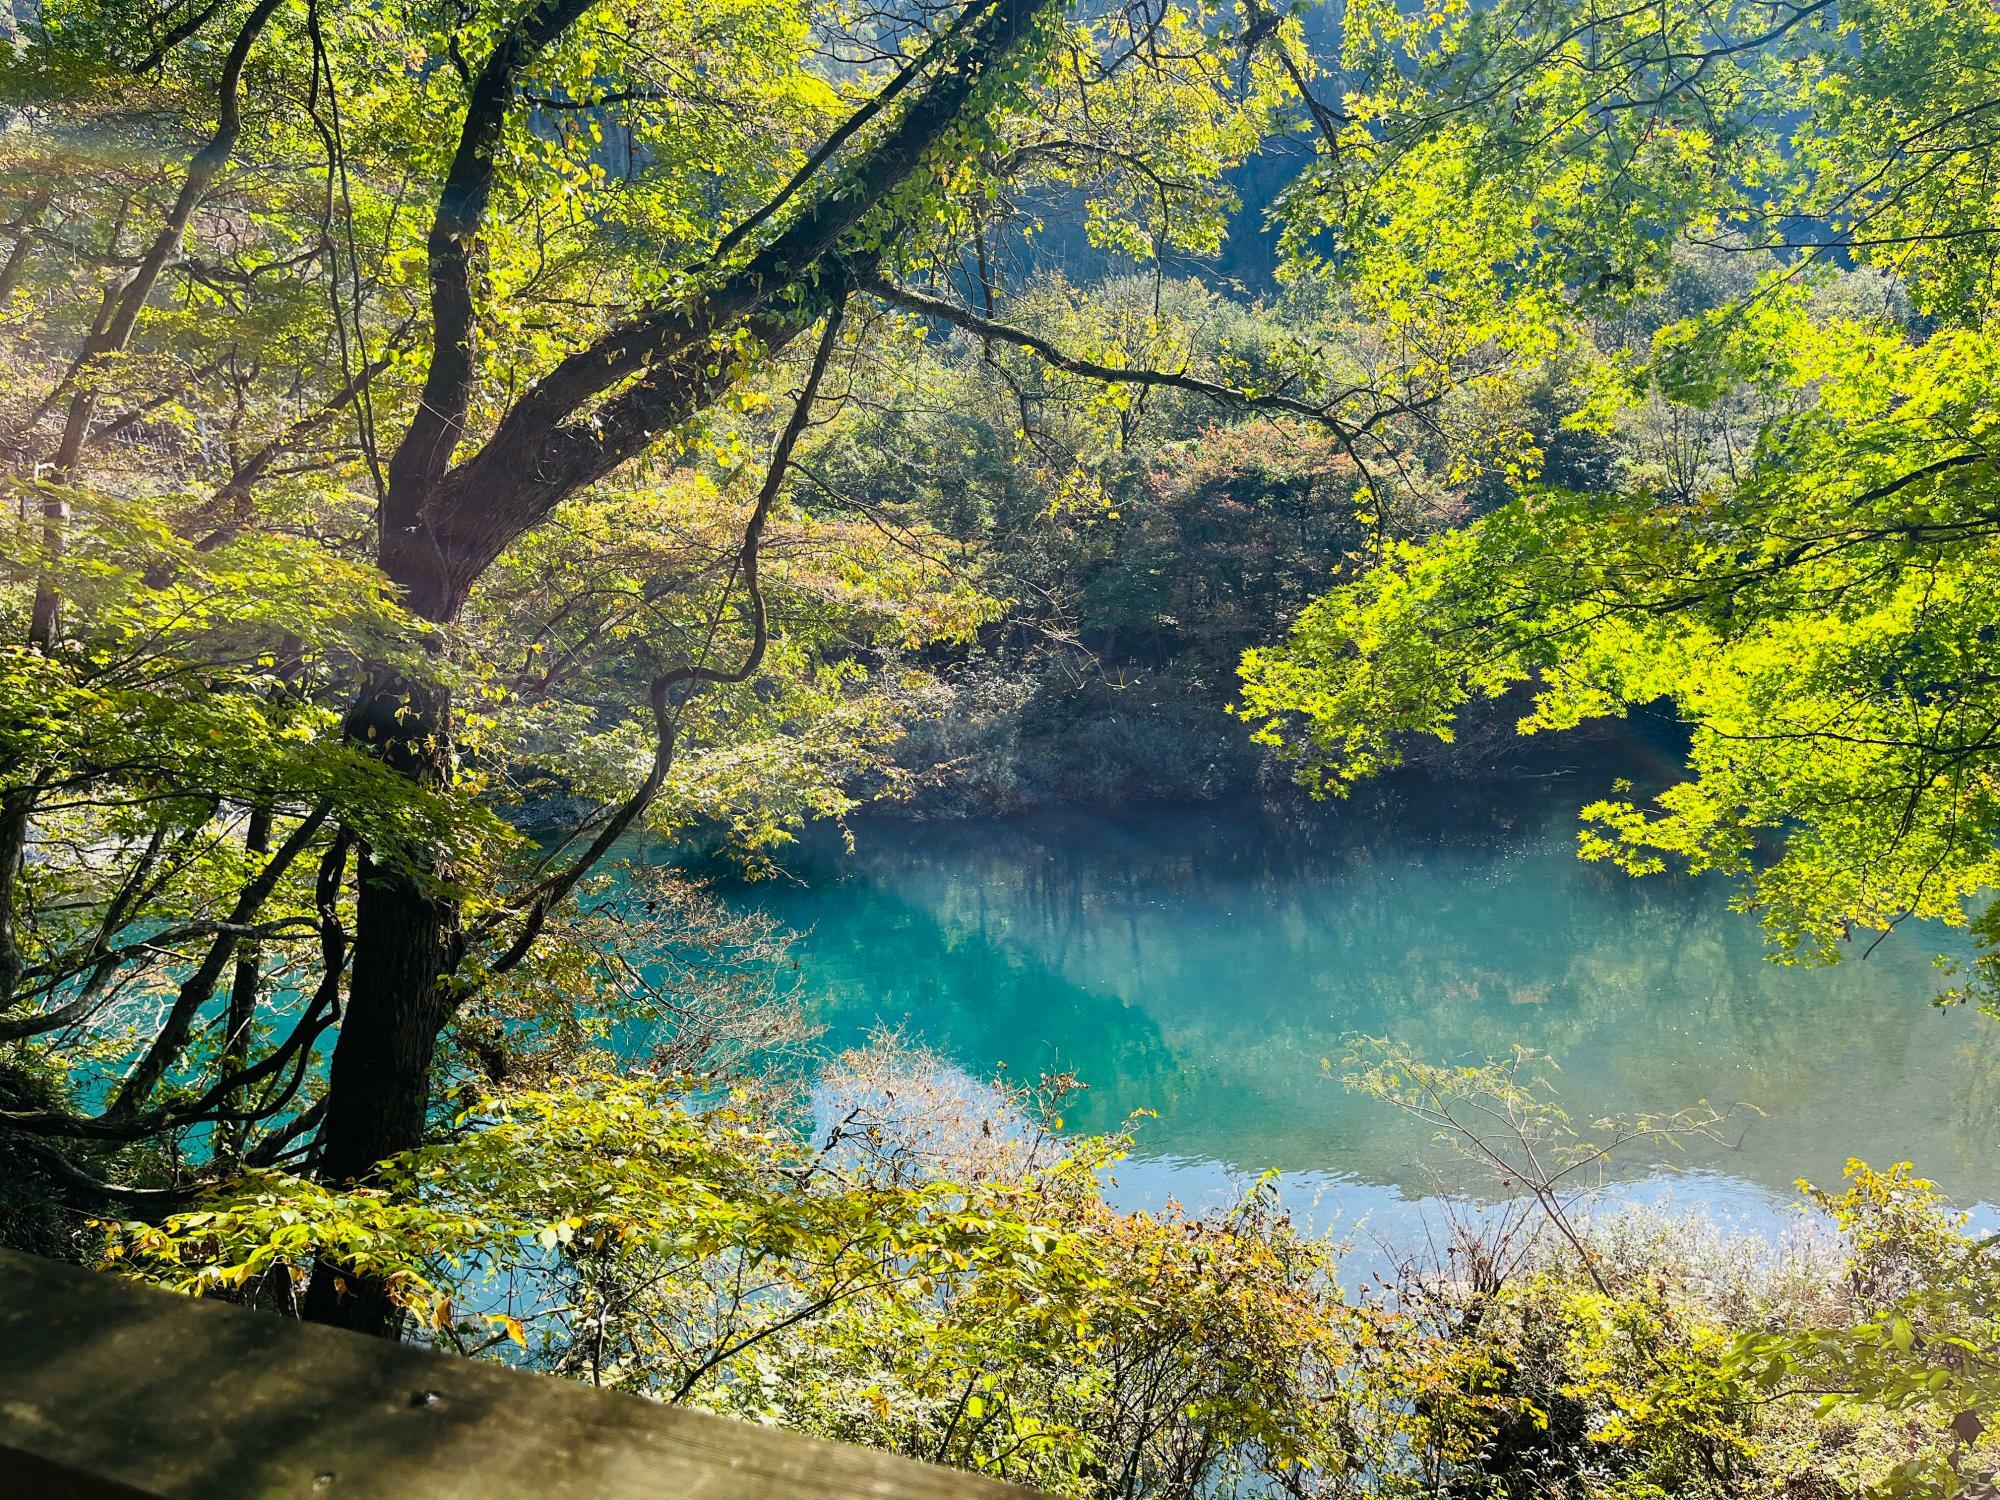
{"x": 110, "y": 1390}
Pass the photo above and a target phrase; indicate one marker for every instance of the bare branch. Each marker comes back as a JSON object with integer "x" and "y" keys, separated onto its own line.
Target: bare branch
{"x": 911, "y": 300}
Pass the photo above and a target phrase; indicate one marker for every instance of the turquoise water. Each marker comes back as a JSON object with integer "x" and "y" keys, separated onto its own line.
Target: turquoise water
{"x": 1203, "y": 962}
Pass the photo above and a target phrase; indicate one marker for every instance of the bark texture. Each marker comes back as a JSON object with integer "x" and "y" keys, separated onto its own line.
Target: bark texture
{"x": 446, "y": 518}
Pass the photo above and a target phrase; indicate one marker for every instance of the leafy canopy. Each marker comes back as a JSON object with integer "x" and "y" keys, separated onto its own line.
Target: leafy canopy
{"x": 1808, "y": 586}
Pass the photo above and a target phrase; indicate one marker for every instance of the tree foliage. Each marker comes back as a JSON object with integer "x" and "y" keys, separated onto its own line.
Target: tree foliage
{"x": 1005, "y": 1321}
{"x": 449, "y": 440}
{"x": 1805, "y": 583}
{"x": 409, "y": 411}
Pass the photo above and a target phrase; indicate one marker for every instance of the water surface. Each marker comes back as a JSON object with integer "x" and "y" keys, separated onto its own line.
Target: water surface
{"x": 1207, "y": 962}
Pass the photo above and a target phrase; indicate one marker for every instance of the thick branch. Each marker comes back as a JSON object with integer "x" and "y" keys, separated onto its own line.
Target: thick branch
{"x": 852, "y": 126}
{"x": 121, "y": 314}
{"x": 188, "y": 26}
{"x": 201, "y": 173}
{"x": 90, "y": 1194}
{"x": 549, "y": 444}
{"x": 667, "y": 710}
{"x": 426, "y": 449}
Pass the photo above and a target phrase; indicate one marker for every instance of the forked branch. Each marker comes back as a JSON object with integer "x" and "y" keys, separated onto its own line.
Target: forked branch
{"x": 668, "y": 706}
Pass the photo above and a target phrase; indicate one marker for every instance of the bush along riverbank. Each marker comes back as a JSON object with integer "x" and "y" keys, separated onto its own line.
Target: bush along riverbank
{"x": 935, "y": 1269}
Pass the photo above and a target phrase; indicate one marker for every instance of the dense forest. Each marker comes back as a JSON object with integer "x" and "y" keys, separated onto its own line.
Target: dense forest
{"x": 454, "y": 444}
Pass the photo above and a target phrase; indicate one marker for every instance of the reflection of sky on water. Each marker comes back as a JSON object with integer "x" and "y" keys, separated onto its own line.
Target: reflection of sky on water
{"x": 1377, "y": 1224}
{"x": 1207, "y": 962}
{"x": 1381, "y": 1224}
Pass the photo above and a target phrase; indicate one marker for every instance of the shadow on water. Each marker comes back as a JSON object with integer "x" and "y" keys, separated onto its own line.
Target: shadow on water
{"x": 1206, "y": 962}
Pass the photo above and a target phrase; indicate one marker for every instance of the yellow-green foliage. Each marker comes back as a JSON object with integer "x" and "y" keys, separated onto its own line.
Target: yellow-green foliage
{"x": 1815, "y": 599}
{"x": 1012, "y": 1323}
{"x": 1006, "y": 1319}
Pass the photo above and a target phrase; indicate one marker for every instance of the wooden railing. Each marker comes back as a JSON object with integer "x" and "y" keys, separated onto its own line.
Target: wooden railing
{"x": 113, "y": 1391}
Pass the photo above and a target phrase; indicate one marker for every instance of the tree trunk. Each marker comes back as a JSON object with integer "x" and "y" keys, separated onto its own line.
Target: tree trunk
{"x": 442, "y": 526}
{"x": 407, "y": 945}
{"x": 14, "y": 812}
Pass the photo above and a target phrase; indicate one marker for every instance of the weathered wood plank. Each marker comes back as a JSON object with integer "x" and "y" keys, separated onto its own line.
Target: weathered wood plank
{"x": 110, "y": 1390}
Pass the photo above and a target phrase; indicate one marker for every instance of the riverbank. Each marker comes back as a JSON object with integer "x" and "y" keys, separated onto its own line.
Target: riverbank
{"x": 998, "y": 744}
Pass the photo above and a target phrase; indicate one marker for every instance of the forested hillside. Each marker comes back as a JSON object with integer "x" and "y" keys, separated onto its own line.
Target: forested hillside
{"x": 459, "y": 446}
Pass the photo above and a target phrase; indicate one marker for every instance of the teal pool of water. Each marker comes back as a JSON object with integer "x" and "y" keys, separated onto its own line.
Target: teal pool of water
{"x": 1207, "y": 962}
